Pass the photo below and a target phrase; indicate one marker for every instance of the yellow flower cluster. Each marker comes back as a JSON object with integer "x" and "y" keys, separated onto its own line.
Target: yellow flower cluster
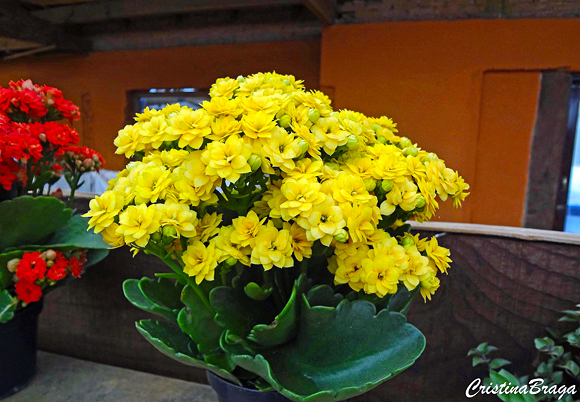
{"x": 297, "y": 174}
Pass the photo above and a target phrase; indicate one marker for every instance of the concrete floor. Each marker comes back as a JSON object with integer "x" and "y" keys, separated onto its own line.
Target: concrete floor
{"x": 61, "y": 379}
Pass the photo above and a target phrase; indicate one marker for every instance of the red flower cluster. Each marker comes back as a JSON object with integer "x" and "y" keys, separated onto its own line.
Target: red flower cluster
{"x": 29, "y": 133}
{"x": 37, "y": 270}
{"x": 24, "y": 97}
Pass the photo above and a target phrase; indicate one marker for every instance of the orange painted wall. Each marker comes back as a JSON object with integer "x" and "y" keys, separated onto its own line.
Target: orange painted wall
{"x": 99, "y": 82}
{"x": 429, "y": 77}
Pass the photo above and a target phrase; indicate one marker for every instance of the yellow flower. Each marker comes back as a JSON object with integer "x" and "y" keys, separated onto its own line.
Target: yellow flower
{"x": 224, "y": 87}
{"x": 416, "y": 270}
{"x": 323, "y": 222}
{"x": 155, "y": 131}
{"x": 200, "y": 261}
{"x": 103, "y": 210}
{"x": 313, "y": 100}
{"x": 329, "y": 133}
{"x": 258, "y": 124}
{"x": 349, "y": 267}
{"x": 209, "y": 226}
{"x": 300, "y": 244}
{"x": 179, "y": 217}
{"x": 228, "y": 249}
{"x": 306, "y": 168}
{"x": 111, "y": 237}
{"x": 129, "y": 141}
{"x": 312, "y": 142}
{"x": 222, "y": 106}
{"x": 404, "y": 195}
{"x": 152, "y": 184}
{"x": 351, "y": 189}
{"x": 281, "y": 149}
{"x": 273, "y": 248}
{"x": 419, "y": 243}
{"x": 192, "y": 183}
{"x": 254, "y": 103}
{"x": 250, "y": 84}
{"x": 147, "y": 114}
{"x": 381, "y": 275}
{"x": 362, "y": 167}
{"x": 389, "y": 163}
{"x": 190, "y": 126}
{"x": 228, "y": 160}
{"x": 171, "y": 158}
{"x": 439, "y": 255}
{"x": 137, "y": 223}
{"x": 246, "y": 229}
{"x": 223, "y": 127}
{"x": 301, "y": 195}
{"x": 361, "y": 220}
{"x": 428, "y": 286}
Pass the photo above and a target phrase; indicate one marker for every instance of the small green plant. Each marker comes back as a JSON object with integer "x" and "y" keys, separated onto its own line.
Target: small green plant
{"x": 557, "y": 367}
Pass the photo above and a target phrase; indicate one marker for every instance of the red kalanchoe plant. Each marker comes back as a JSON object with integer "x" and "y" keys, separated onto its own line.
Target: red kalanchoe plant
{"x": 37, "y": 271}
{"x": 34, "y": 145}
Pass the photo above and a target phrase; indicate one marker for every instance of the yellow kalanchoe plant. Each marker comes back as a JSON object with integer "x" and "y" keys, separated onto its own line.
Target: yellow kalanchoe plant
{"x": 267, "y": 176}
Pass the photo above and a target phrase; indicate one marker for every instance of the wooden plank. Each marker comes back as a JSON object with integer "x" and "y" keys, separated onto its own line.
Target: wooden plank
{"x": 501, "y": 231}
{"x": 325, "y": 10}
{"x": 548, "y": 154}
{"x": 108, "y": 10}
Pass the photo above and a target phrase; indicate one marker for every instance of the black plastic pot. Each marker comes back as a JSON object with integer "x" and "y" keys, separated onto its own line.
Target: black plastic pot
{"x": 18, "y": 345}
{"x": 229, "y": 392}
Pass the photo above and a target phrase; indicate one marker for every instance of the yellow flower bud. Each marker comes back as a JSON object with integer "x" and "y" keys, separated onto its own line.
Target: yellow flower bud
{"x": 420, "y": 203}
{"x": 230, "y": 262}
{"x": 375, "y": 127}
{"x": 413, "y": 151}
{"x": 408, "y": 243}
{"x": 240, "y": 78}
{"x": 370, "y": 184}
{"x": 382, "y": 140}
{"x": 280, "y": 113}
{"x": 352, "y": 141}
{"x": 255, "y": 162}
{"x": 285, "y": 121}
{"x": 387, "y": 185}
{"x": 303, "y": 145}
{"x": 431, "y": 157}
{"x": 313, "y": 115}
{"x": 405, "y": 143}
{"x": 156, "y": 236}
{"x": 169, "y": 231}
{"x": 342, "y": 236}
{"x": 13, "y": 264}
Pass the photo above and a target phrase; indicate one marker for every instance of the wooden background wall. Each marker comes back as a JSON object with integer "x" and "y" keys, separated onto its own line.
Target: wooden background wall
{"x": 500, "y": 290}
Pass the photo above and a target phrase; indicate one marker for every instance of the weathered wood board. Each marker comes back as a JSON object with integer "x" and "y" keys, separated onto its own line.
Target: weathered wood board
{"x": 499, "y": 289}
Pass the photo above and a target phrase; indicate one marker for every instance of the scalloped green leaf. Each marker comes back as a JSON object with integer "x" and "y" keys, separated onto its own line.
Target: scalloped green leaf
{"x": 197, "y": 321}
{"x": 323, "y": 295}
{"x": 136, "y": 297}
{"x": 237, "y": 312}
{"x": 284, "y": 327}
{"x": 366, "y": 349}
{"x": 25, "y": 220}
{"x": 7, "y": 307}
{"x": 172, "y": 342}
{"x": 162, "y": 292}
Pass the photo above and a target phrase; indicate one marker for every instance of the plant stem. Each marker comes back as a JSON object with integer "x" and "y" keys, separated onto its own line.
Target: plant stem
{"x": 73, "y": 188}
{"x": 178, "y": 270}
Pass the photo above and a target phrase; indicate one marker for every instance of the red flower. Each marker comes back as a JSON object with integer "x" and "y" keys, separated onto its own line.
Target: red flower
{"x": 31, "y": 267}
{"x": 76, "y": 267}
{"x": 28, "y": 291}
{"x": 58, "y": 270}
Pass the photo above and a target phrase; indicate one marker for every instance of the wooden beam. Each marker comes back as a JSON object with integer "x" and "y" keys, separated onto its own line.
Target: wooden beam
{"x": 108, "y": 10}
{"x": 17, "y": 23}
{"x": 325, "y": 10}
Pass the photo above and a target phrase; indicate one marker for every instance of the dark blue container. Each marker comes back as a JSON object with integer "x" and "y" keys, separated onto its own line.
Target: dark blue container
{"x": 229, "y": 392}
{"x": 18, "y": 345}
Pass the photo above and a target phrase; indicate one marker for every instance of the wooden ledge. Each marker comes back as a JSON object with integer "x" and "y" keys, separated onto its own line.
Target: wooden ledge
{"x": 550, "y": 236}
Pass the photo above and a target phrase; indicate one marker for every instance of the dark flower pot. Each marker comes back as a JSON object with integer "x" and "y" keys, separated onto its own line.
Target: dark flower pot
{"x": 229, "y": 392}
{"x": 18, "y": 344}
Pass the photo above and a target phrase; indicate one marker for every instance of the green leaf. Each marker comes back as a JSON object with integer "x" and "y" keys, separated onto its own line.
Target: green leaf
{"x": 95, "y": 256}
{"x": 134, "y": 294}
{"x": 323, "y": 295}
{"x": 237, "y": 312}
{"x": 283, "y": 328}
{"x": 197, "y": 321}
{"x": 557, "y": 377}
{"x": 254, "y": 291}
{"x": 28, "y": 220}
{"x": 75, "y": 235}
{"x": 544, "y": 344}
{"x": 324, "y": 362}
{"x": 5, "y": 275}
{"x": 169, "y": 340}
{"x": 572, "y": 368}
{"x": 498, "y": 363}
{"x": 162, "y": 292}
{"x": 7, "y": 307}
{"x": 477, "y": 360}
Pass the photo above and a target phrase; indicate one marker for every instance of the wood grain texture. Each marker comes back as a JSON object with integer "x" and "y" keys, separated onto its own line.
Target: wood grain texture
{"x": 500, "y": 290}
